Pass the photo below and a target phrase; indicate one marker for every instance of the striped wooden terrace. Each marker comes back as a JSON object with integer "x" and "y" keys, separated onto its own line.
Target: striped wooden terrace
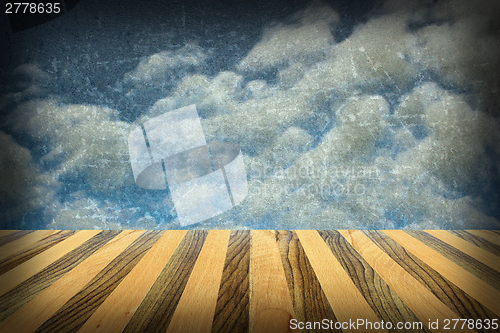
{"x": 249, "y": 281}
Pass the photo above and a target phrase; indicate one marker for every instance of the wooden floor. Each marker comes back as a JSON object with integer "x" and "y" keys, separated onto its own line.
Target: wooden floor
{"x": 240, "y": 281}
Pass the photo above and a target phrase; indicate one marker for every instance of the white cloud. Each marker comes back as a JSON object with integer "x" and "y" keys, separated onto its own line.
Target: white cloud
{"x": 82, "y": 140}
{"x": 305, "y": 41}
{"x": 338, "y": 185}
{"x": 376, "y": 56}
{"x": 286, "y": 149}
{"x": 463, "y": 56}
{"x": 349, "y": 135}
{"x": 166, "y": 67}
{"x": 423, "y": 161}
{"x": 213, "y": 97}
{"x": 455, "y": 149}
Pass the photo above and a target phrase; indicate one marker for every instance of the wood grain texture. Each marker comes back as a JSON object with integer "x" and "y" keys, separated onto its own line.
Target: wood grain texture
{"x": 43, "y": 306}
{"x": 34, "y": 249}
{"x": 344, "y": 298}
{"x": 17, "y": 252}
{"x": 487, "y": 234}
{"x": 116, "y": 311}
{"x": 157, "y": 308}
{"x": 478, "y": 241}
{"x": 269, "y": 288}
{"x": 448, "y": 293}
{"x": 30, "y": 267}
{"x": 427, "y": 307}
{"x": 472, "y": 250}
{"x": 27, "y": 290}
{"x": 474, "y": 266}
{"x": 7, "y": 236}
{"x": 309, "y": 301}
{"x": 242, "y": 281}
{"x": 382, "y": 297}
{"x": 6, "y": 232}
{"x": 272, "y": 321}
{"x": 18, "y": 244}
{"x": 195, "y": 311}
{"x": 233, "y": 301}
{"x": 73, "y": 314}
{"x": 475, "y": 287}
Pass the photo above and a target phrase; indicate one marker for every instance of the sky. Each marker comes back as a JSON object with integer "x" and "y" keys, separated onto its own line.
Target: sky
{"x": 360, "y": 115}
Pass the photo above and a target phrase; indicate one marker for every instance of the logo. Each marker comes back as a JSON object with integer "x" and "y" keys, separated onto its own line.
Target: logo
{"x": 205, "y": 179}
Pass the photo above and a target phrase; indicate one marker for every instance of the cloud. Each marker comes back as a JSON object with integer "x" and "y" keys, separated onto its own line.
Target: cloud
{"x": 375, "y": 57}
{"x": 395, "y": 126}
{"x": 306, "y": 40}
{"x": 212, "y": 97}
{"x": 253, "y": 115}
{"x": 23, "y": 188}
{"x": 393, "y": 149}
{"x": 351, "y": 180}
{"x": 82, "y": 140}
{"x": 82, "y": 212}
{"x": 455, "y": 149}
{"x": 321, "y": 178}
{"x": 286, "y": 149}
{"x": 31, "y": 72}
{"x": 166, "y": 67}
{"x": 26, "y": 81}
{"x": 462, "y": 55}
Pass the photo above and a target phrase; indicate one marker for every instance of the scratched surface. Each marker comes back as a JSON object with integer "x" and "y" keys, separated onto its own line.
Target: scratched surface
{"x": 242, "y": 281}
{"x": 349, "y": 114}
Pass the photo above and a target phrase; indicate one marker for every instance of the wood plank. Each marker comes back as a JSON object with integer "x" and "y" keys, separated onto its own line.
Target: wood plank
{"x": 345, "y": 299}
{"x": 48, "y": 302}
{"x": 478, "y": 241}
{"x": 13, "y": 247}
{"x": 270, "y": 305}
{"x": 116, "y": 311}
{"x": 448, "y": 293}
{"x": 468, "y": 282}
{"x": 7, "y": 236}
{"x": 80, "y": 307}
{"x": 233, "y": 302}
{"x": 29, "y": 268}
{"x": 426, "y": 306}
{"x": 476, "y": 267}
{"x": 27, "y": 290}
{"x": 486, "y": 234}
{"x": 6, "y": 232}
{"x": 196, "y": 308}
{"x": 384, "y": 301}
{"x": 472, "y": 250}
{"x": 273, "y": 321}
{"x": 157, "y": 308}
{"x": 309, "y": 301}
{"x": 109, "y": 286}
{"x": 34, "y": 249}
